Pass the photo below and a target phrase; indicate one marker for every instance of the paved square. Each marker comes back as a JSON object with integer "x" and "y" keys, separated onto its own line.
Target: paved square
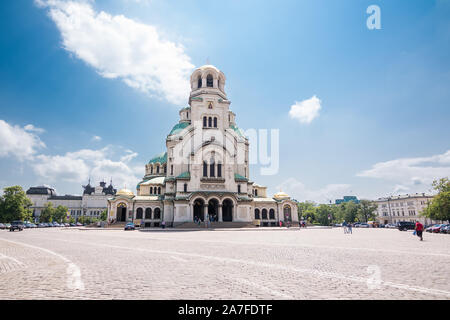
{"x": 223, "y": 264}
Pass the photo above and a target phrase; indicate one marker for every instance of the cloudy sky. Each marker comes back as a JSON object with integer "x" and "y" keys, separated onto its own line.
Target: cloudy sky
{"x": 92, "y": 88}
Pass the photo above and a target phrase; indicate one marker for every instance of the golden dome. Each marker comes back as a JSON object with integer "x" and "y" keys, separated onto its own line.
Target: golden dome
{"x": 281, "y": 195}
{"x": 125, "y": 192}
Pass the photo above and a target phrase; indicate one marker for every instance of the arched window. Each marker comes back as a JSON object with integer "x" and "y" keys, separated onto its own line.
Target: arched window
{"x": 205, "y": 169}
{"x": 239, "y": 188}
{"x": 185, "y": 187}
{"x": 209, "y": 81}
{"x": 264, "y": 213}
{"x": 199, "y": 82}
{"x": 139, "y": 212}
{"x": 204, "y": 122}
{"x": 215, "y": 122}
{"x": 256, "y": 192}
{"x": 257, "y": 214}
{"x": 151, "y": 190}
{"x": 148, "y": 213}
{"x": 210, "y": 122}
{"x": 157, "y": 169}
{"x": 157, "y": 214}
{"x": 212, "y": 171}
{"x": 219, "y": 170}
{"x": 159, "y": 190}
{"x": 165, "y": 169}
{"x": 171, "y": 169}
{"x": 151, "y": 169}
{"x": 271, "y": 214}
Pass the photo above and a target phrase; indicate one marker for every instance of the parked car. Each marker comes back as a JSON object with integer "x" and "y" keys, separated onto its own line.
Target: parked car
{"x": 130, "y": 226}
{"x": 16, "y": 225}
{"x": 41, "y": 225}
{"x": 406, "y": 225}
{"x": 2, "y": 226}
{"x": 437, "y": 228}
{"x": 27, "y": 225}
{"x": 391, "y": 226}
{"x": 356, "y": 225}
{"x": 381, "y": 226}
{"x": 73, "y": 225}
{"x": 338, "y": 225}
{"x": 446, "y": 229}
{"x": 7, "y": 225}
{"x": 363, "y": 225}
{"x": 78, "y": 224}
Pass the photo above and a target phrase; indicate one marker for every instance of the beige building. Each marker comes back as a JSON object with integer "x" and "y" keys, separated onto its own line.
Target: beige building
{"x": 403, "y": 208}
{"x": 204, "y": 171}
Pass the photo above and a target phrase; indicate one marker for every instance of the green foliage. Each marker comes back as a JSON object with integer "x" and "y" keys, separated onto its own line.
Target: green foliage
{"x": 323, "y": 211}
{"x": 439, "y": 208}
{"x": 14, "y": 205}
{"x": 366, "y": 211}
{"x": 104, "y": 215}
{"x": 47, "y": 213}
{"x": 60, "y": 214}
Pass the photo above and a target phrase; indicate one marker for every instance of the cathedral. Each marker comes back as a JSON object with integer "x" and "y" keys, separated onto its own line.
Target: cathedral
{"x": 204, "y": 172}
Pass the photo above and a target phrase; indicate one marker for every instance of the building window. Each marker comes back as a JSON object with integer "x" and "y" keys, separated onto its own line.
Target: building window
{"x": 148, "y": 213}
{"x": 205, "y": 169}
{"x": 264, "y": 214}
{"x": 151, "y": 190}
{"x": 256, "y": 213}
{"x": 212, "y": 172}
{"x": 157, "y": 214}
{"x": 210, "y": 122}
{"x": 151, "y": 170}
{"x": 239, "y": 188}
{"x": 271, "y": 214}
{"x": 204, "y": 122}
{"x": 219, "y": 170}
{"x": 171, "y": 169}
{"x": 209, "y": 81}
{"x": 157, "y": 169}
{"x": 215, "y": 122}
{"x": 199, "y": 82}
{"x": 159, "y": 190}
{"x": 139, "y": 213}
{"x": 185, "y": 187}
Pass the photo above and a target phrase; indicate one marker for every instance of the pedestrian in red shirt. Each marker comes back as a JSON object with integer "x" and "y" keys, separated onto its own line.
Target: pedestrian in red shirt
{"x": 419, "y": 230}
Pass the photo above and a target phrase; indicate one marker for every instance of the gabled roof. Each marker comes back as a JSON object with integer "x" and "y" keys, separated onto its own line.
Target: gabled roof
{"x": 185, "y": 175}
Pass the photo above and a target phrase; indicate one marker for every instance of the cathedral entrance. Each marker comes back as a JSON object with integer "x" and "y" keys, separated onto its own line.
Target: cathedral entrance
{"x": 287, "y": 214}
{"x": 199, "y": 204}
{"x": 227, "y": 210}
{"x": 121, "y": 212}
{"x": 213, "y": 209}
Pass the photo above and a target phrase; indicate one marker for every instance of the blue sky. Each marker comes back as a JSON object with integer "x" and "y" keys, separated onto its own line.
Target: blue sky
{"x": 69, "y": 69}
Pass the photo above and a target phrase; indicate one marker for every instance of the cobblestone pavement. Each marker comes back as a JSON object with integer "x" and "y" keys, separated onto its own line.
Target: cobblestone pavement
{"x": 223, "y": 264}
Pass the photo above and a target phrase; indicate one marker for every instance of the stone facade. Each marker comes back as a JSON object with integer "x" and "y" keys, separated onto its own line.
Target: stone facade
{"x": 403, "y": 208}
{"x": 91, "y": 204}
{"x": 204, "y": 172}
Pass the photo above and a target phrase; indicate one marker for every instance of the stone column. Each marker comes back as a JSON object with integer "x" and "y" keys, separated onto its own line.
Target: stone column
{"x": 220, "y": 213}
{"x": 191, "y": 212}
{"x": 205, "y": 211}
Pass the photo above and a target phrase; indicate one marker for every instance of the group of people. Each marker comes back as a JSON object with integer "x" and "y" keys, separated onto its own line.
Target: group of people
{"x": 348, "y": 227}
{"x": 208, "y": 220}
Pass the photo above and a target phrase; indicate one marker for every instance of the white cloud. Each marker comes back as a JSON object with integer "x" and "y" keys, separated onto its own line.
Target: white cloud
{"x": 306, "y": 111}
{"x": 18, "y": 142}
{"x": 130, "y": 156}
{"x": 297, "y": 190}
{"x": 119, "y": 47}
{"x": 96, "y": 138}
{"x": 410, "y": 172}
{"x": 31, "y": 128}
{"x": 77, "y": 166}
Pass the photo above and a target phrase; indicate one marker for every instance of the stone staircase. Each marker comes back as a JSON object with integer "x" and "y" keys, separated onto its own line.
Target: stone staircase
{"x": 215, "y": 225}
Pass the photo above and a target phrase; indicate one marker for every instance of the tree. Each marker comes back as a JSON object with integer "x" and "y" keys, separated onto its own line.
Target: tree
{"x": 104, "y": 215}
{"x": 439, "y": 208}
{"x": 324, "y": 214}
{"x": 47, "y": 213}
{"x": 366, "y": 210}
{"x": 14, "y": 205}
{"x": 307, "y": 211}
{"x": 60, "y": 214}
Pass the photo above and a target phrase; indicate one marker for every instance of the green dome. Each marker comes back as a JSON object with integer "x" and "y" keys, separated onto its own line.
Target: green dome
{"x": 161, "y": 158}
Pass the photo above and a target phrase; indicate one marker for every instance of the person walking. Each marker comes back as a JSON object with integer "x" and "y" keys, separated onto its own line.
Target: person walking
{"x": 344, "y": 224}
{"x": 349, "y": 228}
{"x": 163, "y": 224}
{"x": 419, "y": 230}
